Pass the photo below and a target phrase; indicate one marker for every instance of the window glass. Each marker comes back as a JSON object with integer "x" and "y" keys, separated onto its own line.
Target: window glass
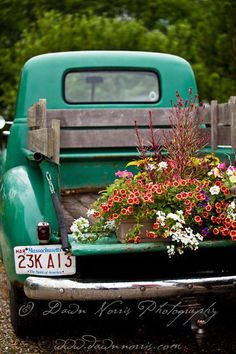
{"x": 115, "y": 86}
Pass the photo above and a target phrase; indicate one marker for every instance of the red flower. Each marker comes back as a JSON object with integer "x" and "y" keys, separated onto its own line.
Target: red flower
{"x": 208, "y": 207}
{"x": 205, "y": 214}
{"x": 197, "y": 218}
{"x": 233, "y": 235}
{"x": 184, "y": 195}
{"x": 225, "y": 232}
{"x": 137, "y": 239}
{"x": 123, "y": 211}
{"x": 175, "y": 184}
{"x": 215, "y": 231}
{"x": 151, "y": 234}
{"x": 156, "y": 226}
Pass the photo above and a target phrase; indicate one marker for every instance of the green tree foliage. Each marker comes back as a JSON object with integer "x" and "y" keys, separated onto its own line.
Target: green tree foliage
{"x": 202, "y": 31}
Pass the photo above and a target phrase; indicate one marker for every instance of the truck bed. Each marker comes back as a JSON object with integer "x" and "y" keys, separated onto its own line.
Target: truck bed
{"x": 75, "y": 203}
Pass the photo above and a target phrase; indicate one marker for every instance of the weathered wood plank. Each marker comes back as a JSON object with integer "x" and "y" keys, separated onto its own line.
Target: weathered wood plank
{"x": 56, "y": 141}
{"x": 108, "y": 117}
{"x": 232, "y": 114}
{"x": 41, "y": 140}
{"x": 95, "y": 138}
{"x": 74, "y": 206}
{"x": 214, "y": 121}
{"x": 37, "y": 114}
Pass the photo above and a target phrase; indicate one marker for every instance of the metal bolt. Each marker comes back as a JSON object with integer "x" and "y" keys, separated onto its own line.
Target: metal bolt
{"x": 142, "y": 288}
{"x": 61, "y": 291}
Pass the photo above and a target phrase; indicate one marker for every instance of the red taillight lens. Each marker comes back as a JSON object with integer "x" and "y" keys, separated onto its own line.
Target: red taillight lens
{"x": 43, "y": 231}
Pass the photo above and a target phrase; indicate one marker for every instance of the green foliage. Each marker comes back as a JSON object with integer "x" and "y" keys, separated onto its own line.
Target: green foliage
{"x": 203, "y": 32}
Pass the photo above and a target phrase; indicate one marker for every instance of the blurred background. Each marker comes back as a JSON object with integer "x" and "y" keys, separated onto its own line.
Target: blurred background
{"x": 201, "y": 31}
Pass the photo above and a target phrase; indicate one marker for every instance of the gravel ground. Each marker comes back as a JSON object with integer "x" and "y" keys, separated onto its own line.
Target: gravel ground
{"x": 113, "y": 337}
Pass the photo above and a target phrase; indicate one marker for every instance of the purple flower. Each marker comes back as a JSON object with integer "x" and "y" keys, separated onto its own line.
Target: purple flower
{"x": 205, "y": 231}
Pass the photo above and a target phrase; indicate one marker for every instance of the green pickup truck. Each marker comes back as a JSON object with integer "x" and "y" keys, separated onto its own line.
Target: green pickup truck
{"x": 73, "y": 130}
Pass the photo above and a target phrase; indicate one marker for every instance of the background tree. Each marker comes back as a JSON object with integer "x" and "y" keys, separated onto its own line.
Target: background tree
{"x": 202, "y": 31}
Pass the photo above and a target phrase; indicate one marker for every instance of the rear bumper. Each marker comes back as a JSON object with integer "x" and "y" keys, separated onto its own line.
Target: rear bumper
{"x": 71, "y": 289}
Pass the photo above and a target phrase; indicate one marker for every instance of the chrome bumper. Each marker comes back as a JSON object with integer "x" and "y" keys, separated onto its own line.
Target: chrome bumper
{"x": 71, "y": 289}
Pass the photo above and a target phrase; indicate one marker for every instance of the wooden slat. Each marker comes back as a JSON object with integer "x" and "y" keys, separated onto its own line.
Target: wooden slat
{"x": 95, "y": 138}
{"x": 108, "y": 117}
{"x": 224, "y": 136}
{"x": 214, "y": 121}
{"x": 37, "y": 115}
{"x": 232, "y": 113}
{"x": 223, "y": 114}
{"x": 41, "y": 140}
{"x": 56, "y": 140}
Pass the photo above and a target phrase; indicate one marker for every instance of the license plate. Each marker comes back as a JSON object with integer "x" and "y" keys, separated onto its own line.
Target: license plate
{"x": 48, "y": 260}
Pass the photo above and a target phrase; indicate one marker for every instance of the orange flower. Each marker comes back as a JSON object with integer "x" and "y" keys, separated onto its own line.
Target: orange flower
{"x": 187, "y": 202}
{"x": 208, "y": 207}
{"x": 205, "y": 214}
{"x": 197, "y": 218}
{"x": 233, "y": 235}
{"x": 130, "y": 209}
{"x": 225, "y": 232}
{"x": 175, "y": 184}
{"x": 151, "y": 234}
{"x": 215, "y": 231}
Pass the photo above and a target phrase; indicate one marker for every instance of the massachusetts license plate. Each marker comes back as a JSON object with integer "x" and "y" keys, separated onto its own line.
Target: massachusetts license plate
{"x": 48, "y": 260}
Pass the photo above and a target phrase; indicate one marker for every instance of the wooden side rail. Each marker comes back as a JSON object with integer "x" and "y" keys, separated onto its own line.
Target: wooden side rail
{"x": 51, "y": 130}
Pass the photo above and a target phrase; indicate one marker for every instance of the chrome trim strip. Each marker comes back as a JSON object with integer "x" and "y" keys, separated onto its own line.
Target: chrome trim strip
{"x": 72, "y": 289}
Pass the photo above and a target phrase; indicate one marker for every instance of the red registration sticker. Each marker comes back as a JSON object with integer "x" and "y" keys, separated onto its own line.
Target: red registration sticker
{"x": 44, "y": 260}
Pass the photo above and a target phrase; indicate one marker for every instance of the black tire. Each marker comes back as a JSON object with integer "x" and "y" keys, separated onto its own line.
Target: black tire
{"x": 25, "y": 315}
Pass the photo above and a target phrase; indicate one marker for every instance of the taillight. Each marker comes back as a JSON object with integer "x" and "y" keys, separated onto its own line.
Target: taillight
{"x": 43, "y": 231}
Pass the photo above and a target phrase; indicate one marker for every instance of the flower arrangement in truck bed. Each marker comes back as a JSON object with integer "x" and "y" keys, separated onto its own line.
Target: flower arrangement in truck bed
{"x": 187, "y": 197}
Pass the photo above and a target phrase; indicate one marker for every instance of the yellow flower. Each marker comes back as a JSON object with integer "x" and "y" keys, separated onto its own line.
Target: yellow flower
{"x": 232, "y": 179}
{"x": 215, "y": 172}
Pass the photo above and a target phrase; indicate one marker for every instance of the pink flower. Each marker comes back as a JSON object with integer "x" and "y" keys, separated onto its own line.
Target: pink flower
{"x": 222, "y": 166}
{"x": 123, "y": 174}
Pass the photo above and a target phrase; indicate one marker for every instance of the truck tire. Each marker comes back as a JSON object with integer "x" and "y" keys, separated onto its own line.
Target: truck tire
{"x": 24, "y": 313}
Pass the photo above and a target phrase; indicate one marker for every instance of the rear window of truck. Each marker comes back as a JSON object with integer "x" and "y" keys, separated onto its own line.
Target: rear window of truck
{"x": 111, "y": 86}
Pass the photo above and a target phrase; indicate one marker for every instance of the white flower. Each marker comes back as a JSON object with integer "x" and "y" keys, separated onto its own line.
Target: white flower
{"x": 214, "y": 190}
{"x": 90, "y": 212}
{"x": 230, "y": 170}
{"x": 151, "y": 167}
{"x": 172, "y": 216}
{"x": 162, "y": 165}
{"x": 110, "y": 225}
{"x": 74, "y": 228}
